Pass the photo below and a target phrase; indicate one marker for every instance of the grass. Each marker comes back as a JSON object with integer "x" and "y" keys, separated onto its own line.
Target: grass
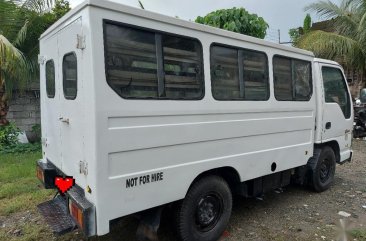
{"x": 20, "y": 189}
{"x": 20, "y": 192}
{"x": 359, "y": 234}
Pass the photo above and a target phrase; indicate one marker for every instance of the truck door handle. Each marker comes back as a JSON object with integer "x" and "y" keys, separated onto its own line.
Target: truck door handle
{"x": 328, "y": 125}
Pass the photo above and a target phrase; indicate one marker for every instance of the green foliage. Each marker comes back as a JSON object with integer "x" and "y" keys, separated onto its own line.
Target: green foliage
{"x": 236, "y": 20}
{"x": 21, "y": 148}
{"x": 307, "y": 24}
{"x": 60, "y": 9}
{"x": 36, "y": 129}
{"x": 359, "y": 234}
{"x": 9, "y": 140}
{"x": 347, "y": 41}
{"x": 8, "y": 135}
{"x": 295, "y": 34}
{"x": 21, "y": 24}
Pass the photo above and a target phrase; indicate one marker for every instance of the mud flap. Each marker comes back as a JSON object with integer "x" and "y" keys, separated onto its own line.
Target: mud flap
{"x": 149, "y": 225}
{"x": 56, "y": 214}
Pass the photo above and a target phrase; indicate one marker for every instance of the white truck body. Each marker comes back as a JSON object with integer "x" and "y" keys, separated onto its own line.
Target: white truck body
{"x": 136, "y": 154}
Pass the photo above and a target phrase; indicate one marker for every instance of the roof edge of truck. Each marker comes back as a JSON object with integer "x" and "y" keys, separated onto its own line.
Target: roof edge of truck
{"x": 113, "y": 6}
{"x": 326, "y": 61}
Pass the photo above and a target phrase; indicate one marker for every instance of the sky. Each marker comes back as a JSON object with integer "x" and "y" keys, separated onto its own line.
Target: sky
{"x": 279, "y": 14}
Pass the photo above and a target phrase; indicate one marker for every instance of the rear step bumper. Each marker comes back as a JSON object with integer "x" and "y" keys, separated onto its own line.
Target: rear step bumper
{"x": 56, "y": 214}
{"x": 65, "y": 213}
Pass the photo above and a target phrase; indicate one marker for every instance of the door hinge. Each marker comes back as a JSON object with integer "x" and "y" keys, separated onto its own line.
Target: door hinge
{"x": 41, "y": 59}
{"x": 83, "y": 168}
{"x": 81, "y": 42}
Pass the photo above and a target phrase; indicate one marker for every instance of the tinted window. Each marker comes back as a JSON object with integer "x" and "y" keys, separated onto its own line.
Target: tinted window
{"x": 238, "y": 74}
{"x": 292, "y": 79}
{"x": 302, "y": 79}
{"x": 282, "y": 78}
{"x": 70, "y": 75}
{"x": 225, "y": 73}
{"x": 146, "y": 64}
{"x": 183, "y": 68}
{"x": 255, "y": 76}
{"x": 50, "y": 78}
{"x": 335, "y": 89}
{"x": 131, "y": 62}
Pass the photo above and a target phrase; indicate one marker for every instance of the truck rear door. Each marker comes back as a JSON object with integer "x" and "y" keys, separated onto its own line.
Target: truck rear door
{"x": 50, "y": 100}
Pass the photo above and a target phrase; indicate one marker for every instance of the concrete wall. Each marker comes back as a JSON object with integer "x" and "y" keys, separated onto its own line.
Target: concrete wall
{"x": 25, "y": 109}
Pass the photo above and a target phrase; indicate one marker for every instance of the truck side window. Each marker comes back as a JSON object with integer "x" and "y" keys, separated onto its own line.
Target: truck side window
{"x": 131, "y": 64}
{"x": 50, "y": 79}
{"x": 225, "y": 73}
{"x": 146, "y": 64}
{"x": 238, "y": 74}
{"x": 335, "y": 89}
{"x": 255, "y": 68}
{"x": 292, "y": 79}
{"x": 183, "y": 68}
{"x": 70, "y": 76}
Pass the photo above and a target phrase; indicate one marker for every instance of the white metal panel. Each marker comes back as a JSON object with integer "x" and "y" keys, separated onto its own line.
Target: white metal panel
{"x": 50, "y": 107}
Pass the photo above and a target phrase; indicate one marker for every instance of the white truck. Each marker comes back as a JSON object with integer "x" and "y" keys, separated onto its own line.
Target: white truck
{"x": 145, "y": 110}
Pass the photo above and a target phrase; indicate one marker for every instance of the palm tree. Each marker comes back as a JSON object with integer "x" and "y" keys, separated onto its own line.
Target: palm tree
{"x": 347, "y": 42}
{"x": 21, "y": 24}
{"x": 14, "y": 65}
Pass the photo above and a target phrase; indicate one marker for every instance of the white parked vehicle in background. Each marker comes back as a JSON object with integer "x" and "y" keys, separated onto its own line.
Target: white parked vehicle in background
{"x": 144, "y": 110}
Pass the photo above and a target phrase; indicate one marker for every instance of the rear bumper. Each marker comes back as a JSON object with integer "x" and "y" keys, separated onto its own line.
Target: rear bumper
{"x": 72, "y": 206}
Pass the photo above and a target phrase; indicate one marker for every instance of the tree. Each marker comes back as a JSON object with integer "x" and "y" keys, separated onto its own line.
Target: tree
{"x": 347, "y": 43}
{"x": 21, "y": 24}
{"x": 307, "y": 24}
{"x": 237, "y": 20}
{"x": 13, "y": 64}
{"x": 296, "y": 33}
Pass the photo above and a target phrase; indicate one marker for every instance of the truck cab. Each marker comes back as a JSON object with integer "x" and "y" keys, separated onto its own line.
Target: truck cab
{"x": 334, "y": 108}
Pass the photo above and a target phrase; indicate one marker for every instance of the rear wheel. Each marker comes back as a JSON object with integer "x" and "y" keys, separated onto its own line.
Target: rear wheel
{"x": 205, "y": 212}
{"x": 323, "y": 170}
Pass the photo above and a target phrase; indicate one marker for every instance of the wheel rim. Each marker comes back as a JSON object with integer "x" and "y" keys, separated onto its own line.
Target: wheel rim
{"x": 325, "y": 170}
{"x": 208, "y": 212}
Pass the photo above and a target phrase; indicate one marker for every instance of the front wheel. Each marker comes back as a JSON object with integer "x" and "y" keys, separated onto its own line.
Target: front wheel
{"x": 323, "y": 170}
{"x": 205, "y": 212}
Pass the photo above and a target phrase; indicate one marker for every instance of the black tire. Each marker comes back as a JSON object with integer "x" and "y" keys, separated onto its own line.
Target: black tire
{"x": 323, "y": 169}
{"x": 205, "y": 212}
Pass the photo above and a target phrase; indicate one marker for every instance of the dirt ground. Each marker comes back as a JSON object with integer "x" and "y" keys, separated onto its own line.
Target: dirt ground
{"x": 297, "y": 213}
